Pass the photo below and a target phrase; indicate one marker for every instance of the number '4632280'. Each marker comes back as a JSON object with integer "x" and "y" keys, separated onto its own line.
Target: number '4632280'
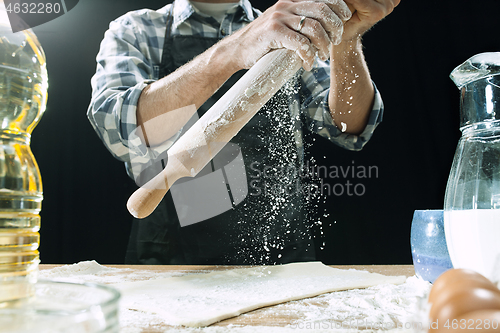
{"x": 25, "y": 14}
{"x": 33, "y": 8}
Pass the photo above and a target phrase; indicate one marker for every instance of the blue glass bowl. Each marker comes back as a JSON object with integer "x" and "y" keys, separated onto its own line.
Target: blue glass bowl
{"x": 428, "y": 245}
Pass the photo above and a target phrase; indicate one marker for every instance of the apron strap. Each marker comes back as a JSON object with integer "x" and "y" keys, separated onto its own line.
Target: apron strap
{"x": 166, "y": 56}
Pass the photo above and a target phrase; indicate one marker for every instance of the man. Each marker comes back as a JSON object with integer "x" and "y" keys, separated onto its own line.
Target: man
{"x": 156, "y": 68}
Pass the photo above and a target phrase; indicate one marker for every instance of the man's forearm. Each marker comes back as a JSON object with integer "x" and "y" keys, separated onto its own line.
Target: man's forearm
{"x": 351, "y": 89}
{"x": 190, "y": 85}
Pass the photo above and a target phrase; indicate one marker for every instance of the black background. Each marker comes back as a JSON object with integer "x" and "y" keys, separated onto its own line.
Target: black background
{"x": 410, "y": 55}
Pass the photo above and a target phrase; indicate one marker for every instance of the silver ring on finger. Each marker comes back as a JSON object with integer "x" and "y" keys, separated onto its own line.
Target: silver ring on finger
{"x": 301, "y": 23}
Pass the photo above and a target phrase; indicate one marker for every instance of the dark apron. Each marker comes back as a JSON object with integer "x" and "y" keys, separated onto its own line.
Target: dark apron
{"x": 266, "y": 227}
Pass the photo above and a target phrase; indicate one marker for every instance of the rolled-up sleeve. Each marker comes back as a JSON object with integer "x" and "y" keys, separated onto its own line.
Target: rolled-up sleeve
{"x": 126, "y": 64}
{"x": 314, "y": 90}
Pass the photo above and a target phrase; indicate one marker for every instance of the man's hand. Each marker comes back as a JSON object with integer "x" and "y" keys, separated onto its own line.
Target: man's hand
{"x": 365, "y": 14}
{"x": 279, "y": 27}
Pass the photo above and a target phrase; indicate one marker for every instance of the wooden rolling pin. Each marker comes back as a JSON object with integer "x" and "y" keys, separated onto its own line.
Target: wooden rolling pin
{"x": 217, "y": 126}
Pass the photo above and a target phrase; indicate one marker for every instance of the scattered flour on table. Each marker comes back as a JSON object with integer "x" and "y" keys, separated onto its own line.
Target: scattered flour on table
{"x": 384, "y": 307}
{"x": 85, "y": 271}
{"x": 93, "y": 272}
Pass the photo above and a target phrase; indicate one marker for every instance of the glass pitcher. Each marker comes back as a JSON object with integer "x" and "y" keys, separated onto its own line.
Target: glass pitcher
{"x": 472, "y": 199}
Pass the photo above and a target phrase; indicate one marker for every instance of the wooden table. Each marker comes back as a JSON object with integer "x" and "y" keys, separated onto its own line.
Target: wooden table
{"x": 392, "y": 270}
{"x": 259, "y": 317}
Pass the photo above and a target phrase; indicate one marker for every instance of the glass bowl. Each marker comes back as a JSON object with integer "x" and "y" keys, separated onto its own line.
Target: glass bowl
{"x": 61, "y": 307}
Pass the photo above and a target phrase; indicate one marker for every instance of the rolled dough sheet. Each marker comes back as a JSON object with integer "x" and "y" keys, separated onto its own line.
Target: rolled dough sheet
{"x": 197, "y": 300}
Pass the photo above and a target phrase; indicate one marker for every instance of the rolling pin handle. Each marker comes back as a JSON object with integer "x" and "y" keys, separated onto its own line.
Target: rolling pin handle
{"x": 146, "y": 198}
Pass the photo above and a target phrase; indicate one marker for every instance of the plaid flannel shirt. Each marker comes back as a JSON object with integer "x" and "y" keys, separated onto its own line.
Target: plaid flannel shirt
{"x": 129, "y": 60}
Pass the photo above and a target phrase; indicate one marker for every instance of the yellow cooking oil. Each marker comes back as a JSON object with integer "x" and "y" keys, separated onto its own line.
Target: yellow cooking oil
{"x": 23, "y": 96}
{"x": 19, "y": 258}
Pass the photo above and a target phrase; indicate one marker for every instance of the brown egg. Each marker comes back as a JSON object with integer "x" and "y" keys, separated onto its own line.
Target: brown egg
{"x": 455, "y": 287}
{"x": 448, "y": 277}
{"x": 481, "y": 320}
{"x": 466, "y": 301}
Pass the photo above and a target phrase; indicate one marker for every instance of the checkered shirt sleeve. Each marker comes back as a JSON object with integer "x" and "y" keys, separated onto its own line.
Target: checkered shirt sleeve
{"x": 313, "y": 103}
{"x": 126, "y": 63}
